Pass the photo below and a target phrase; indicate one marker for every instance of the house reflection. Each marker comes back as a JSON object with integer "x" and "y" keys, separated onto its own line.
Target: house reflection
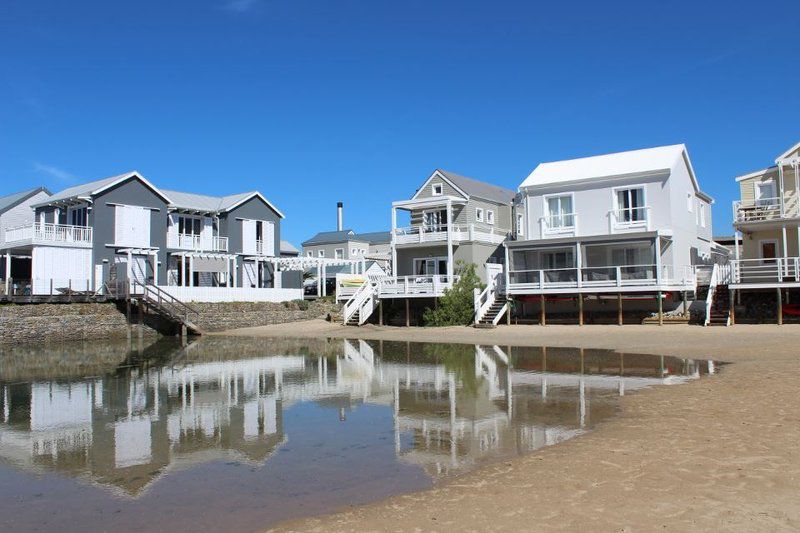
{"x": 452, "y": 406}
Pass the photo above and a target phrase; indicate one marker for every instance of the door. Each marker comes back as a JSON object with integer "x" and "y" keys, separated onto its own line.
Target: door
{"x": 769, "y": 251}
{"x": 249, "y": 237}
{"x": 139, "y": 268}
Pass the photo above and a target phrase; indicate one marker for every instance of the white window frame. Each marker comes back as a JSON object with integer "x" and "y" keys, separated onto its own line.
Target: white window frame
{"x": 309, "y": 253}
{"x": 617, "y": 208}
{"x": 436, "y": 261}
{"x": 689, "y": 202}
{"x": 701, "y": 211}
{"x": 338, "y": 253}
{"x": 490, "y": 217}
{"x": 520, "y": 224}
{"x": 320, "y": 253}
{"x": 434, "y": 186}
{"x": 478, "y": 214}
{"x": 757, "y": 193}
{"x": 778, "y": 251}
{"x": 546, "y": 211}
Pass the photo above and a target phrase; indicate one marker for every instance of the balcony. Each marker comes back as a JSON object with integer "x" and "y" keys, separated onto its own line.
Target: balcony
{"x": 425, "y": 286}
{"x": 561, "y": 224}
{"x": 438, "y": 234}
{"x": 763, "y": 209}
{"x": 52, "y": 234}
{"x": 196, "y": 243}
{"x": 766, "y": 272}
{"x": 607, "y": 278}
{"x": 630, "y": 218}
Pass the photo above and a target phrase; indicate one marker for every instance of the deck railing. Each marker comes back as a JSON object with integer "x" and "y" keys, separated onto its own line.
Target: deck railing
{"x": 44, "y": 232}
{"x": 763, "y": 209}
{"x": 766, "y": 271}
{"x": 459, "y": 232}
{"x": 630, "y": 217}
{"x": 599, "y": 277}
{"x": 186, "y": 241}
{"x": 414, "y": 285}
{"x": 558, "y": 224}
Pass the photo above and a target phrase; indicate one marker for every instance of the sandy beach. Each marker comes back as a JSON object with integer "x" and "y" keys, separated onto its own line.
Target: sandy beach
{"x": 718, "y": 454}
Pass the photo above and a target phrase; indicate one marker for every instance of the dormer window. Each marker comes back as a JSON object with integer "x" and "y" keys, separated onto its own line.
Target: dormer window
{"x": 436, "y": 189}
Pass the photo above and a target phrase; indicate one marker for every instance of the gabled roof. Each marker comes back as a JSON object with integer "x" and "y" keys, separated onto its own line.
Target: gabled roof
{"x": 788, "y": 152}
{"x": 757, "y": 173}
{"x": 92, "y": 188}
{"x": 330, "y": 237}
{"x": 469, "y": 187}
{"x": 214, "y": 204}
{"x": 648, "y": 160}
{"x": 14, "y": 199}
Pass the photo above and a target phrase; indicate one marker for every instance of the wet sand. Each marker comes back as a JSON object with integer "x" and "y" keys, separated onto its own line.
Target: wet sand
{"x": 716, "y": 454}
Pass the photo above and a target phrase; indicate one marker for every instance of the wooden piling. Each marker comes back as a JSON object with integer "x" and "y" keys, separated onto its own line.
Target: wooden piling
{"x": 780, "y": 306}
{"x": 660, "y": 309}
{"x": 580, "y": 309}
{"x": 732, "y": 310}
{"x": 542, "y": 312}
{"x": 380, "y": 312}
{"x": 408, "y": 312}
{"x": 619, "y": 308}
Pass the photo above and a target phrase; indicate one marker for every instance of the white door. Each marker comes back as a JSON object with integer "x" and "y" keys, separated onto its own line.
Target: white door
{"x": 139, "y": 268}
{"x": 268, "y": 236}
{"x": 249, "y": 278}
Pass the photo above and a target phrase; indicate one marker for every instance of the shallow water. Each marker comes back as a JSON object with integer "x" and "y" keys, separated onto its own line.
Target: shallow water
{"x": 244, "y": 433}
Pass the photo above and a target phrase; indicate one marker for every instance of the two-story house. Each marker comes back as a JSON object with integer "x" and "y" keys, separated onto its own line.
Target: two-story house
{"x": 631, "y": 223}
{"x": 123, "y": 228}
{"x": 451, "y": 218}
{"x": 15, "y": 211}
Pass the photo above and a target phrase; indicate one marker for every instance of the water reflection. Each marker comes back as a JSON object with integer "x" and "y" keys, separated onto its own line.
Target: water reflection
{"x": 124, "y": 421}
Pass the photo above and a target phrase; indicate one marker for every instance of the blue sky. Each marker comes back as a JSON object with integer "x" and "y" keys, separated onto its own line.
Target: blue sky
{"x": 313, "y": 102}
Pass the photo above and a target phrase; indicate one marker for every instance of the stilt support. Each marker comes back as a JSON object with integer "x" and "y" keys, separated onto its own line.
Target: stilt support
{"x": 580, "y": 309}
{"x": 660, "y": 309}
{"x": 732, "y": 310}
{"x": 380, "y": 312}
{"x": 780, "y": 306}
{"x": 408, "y": 312}
{"x": 619, "y": 309}
{"x": 543, "y": 312}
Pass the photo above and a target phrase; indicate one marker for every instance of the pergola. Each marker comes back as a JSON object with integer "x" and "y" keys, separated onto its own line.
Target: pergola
{"x": 202, "y": 260}
{"x": 357, "y": 266}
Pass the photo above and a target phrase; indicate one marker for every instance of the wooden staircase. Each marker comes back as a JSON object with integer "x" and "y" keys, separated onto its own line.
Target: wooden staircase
{"x": 153, "y": 299}
{"x": 720, "y": 311}
{"x": 489, "y": 318}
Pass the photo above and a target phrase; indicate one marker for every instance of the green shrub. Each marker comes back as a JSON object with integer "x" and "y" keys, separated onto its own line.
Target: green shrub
{"x": 302, "y": 305}
{"x": 456, "y": 307}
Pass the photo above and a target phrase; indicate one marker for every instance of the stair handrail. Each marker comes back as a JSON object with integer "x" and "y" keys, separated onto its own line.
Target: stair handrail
{"x": 484, "y": 300}
{"x": 354, "y": 303}
{"x": 164, "y": 299}
{"x": 712, "y": 288}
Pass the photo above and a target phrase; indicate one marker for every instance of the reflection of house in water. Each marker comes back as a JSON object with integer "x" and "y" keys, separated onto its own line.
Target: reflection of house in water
{"x": 453, "y": 406}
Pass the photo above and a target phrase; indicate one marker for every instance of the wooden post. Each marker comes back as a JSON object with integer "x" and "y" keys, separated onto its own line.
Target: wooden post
{"x": 580, "y": 309}
{"x": 141, "y": 317}
{"x": 508, "y": 312}
{"x": 660, "y": 309}
{"x": 408, "y": 312}
{"x": 69, "y": 290}
{"x": 732, "y": 311}
{"x": 542, "y": 313}
{"x": 685, "y": 302}
{"x": 380, "y": 313}
{"x": 780, "y": 306}
{"x": 619, "y": 308}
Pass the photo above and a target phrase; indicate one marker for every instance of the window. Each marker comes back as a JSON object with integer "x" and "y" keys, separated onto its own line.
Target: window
{"x": 520, "y": 223}
{"x": 766, "y": 193}
{"x": 79, "y": 217}
{"x": 689, "y": 202}
{"x": 701, "y": 212}
{"x": 435, "y": 220}
{"x": 189, "y": 225}
{"x": 559, "y": 212}
{"x": 630, "y": 205}
{"x": 436, "y": 189}
{"x": 478, "y": 215}
{"x": 489, "y": 217}
{"x": 338, "y": 253}
{"x": 309, "y": 254}
{"x": 431, "y": 266}
{"x": 320, "y": 253}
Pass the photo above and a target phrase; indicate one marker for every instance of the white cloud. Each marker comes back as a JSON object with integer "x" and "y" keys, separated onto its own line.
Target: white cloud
{"x": 54, "y": 172}
{"x": 241, "y": 6}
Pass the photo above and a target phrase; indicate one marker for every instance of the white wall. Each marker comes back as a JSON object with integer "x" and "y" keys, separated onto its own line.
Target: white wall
{"x": 233, "y": 294}
{"x": 62, "y": 265}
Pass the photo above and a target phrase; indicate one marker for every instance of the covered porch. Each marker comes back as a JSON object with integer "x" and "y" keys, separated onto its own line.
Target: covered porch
{"x": 595, "y": 265}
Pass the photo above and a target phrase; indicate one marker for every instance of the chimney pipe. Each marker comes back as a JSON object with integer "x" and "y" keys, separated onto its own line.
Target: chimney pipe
{"x": 339, "y": 206}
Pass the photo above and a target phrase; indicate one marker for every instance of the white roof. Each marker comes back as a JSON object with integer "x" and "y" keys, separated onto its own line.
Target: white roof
{"x": 787, "y": 153}
{"x": 598, "y": 167}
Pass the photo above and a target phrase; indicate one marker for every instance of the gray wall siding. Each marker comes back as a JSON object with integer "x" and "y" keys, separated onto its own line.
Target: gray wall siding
{"x": 102, "y": 219}
{"x": 20, "y": 214}
{"x": 230, "y": 225}
{"x": 330, "y": 249}
{"x": 476, "y": 253}
{"x": 447, "y": 189}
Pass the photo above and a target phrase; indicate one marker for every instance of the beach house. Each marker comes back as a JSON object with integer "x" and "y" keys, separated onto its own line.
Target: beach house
{"x": 599, "y": 230}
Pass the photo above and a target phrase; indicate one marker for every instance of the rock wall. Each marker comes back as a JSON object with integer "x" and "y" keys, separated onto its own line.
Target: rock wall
{"x": 61, "y": 322}
{"x": 223, "y": 316}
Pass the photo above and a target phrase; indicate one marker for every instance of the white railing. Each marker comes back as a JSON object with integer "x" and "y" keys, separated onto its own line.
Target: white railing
{"x": 185, "y": 241}
{"x": 630, "y": 217}
{"x": 42, "y": 232}
{"x": 483, "y": 300}
{"x": 414, "y": 285}
{"x": 362, "y": 302}
{"x": 438, "y": 233}
{"x": 712, "y": 289}
{"x": 558, "y": 224}
{"x": 600, "y": 277}
{"x": 761, "y": 209}
{"x": 348, "y": 284}
{"x": 766, "y": 271}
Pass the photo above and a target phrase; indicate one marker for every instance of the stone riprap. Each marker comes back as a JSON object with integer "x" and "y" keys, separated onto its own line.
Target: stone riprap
{"x": 225, "y": 316}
